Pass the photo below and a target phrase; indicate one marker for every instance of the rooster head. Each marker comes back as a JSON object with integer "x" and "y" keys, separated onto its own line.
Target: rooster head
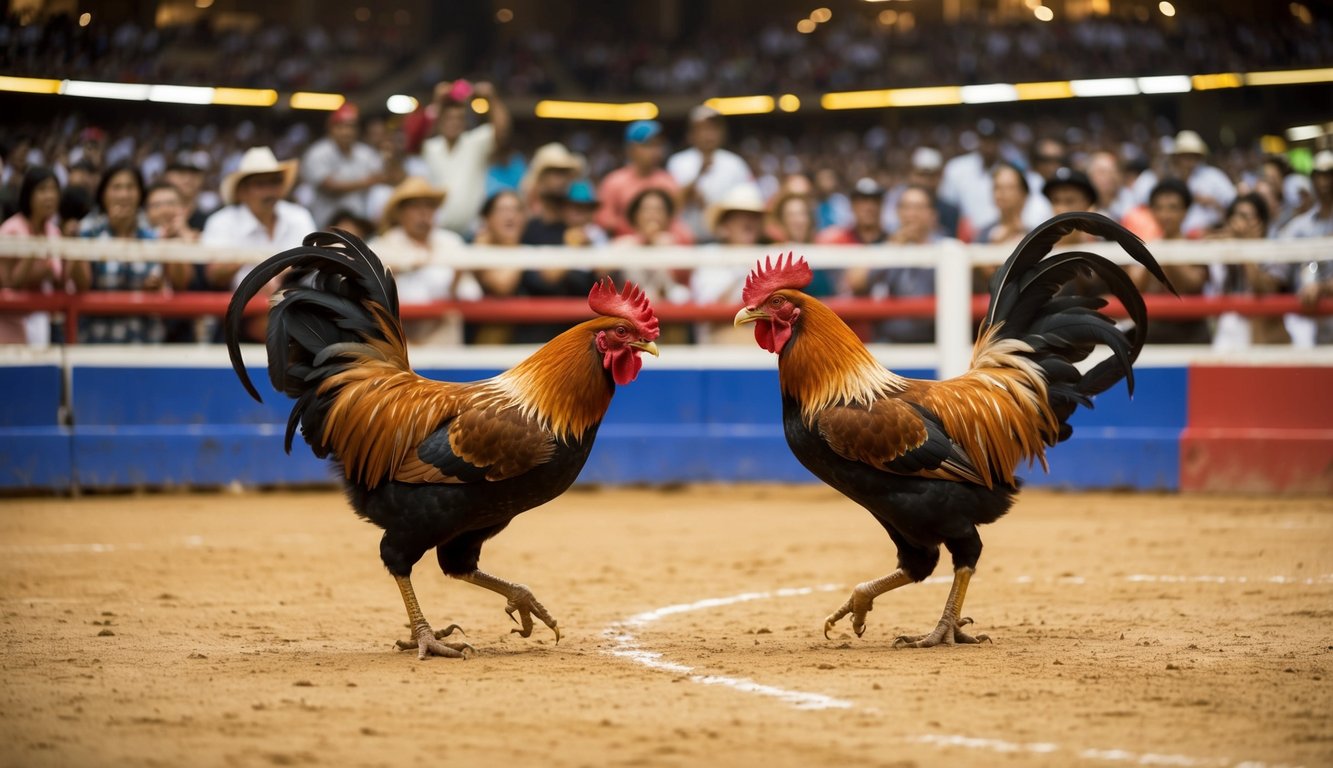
{"x": 772, "y": 299}
{"x": 633, "y": 330}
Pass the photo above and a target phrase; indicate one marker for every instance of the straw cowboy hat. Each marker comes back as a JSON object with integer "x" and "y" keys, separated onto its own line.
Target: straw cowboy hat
{"x": 553, "y": 156}
{"x": 743, "y": 197}
{"x": 256, "y": 161}
{"x": 411, "y": 188}
{"x": 1189, "y": 143}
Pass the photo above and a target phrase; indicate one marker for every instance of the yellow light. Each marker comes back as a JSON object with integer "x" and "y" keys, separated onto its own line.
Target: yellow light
{"x": 1213, "y": 82}
{"x": 1166, "y": 8}
{"x": 1043, "y": 13}
{"x": 1055, "y": 89}
{"x": 1272, "y": 145}
{"x": 788, "y": 102}
{"x": 203, "y": 3}
{"x": 893, "y": 97}
{"x": 29, "y": 85}
{"x": 245, "y": 97}
{"x": 85, "y": 19}
{"x": 481, "y": 106}
{"x": 1290, "y": 77}
{"x": 888, "y": 18}
{"x": 742, "y": 105}
{"x": 590, "y": 110}
{"x": 805, "y": 26}
{"x": 821, "y": 15}
{"x": 504, "y": 15}
{"x": 311, "y": 100}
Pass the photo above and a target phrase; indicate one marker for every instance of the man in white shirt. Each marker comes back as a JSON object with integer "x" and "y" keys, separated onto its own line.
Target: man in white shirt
{"x": 341, "y": 170}
{"x": 458, "y": 158}
{"x": 705, "y": 171}
{"x": 1211, "y": 188}
{"x": 255, "y": 214}
{"x": 967, "y": 184}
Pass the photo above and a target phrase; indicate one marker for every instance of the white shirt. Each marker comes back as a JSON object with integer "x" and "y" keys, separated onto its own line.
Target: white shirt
{"x": 324, "y": 161}
{"x": 236, "y": 226}
{"x": 726, "y": 172}
{"x": 422, "y": 277}
{"x": 460, "y": 171}
{"x": 967, "y": 184}
{"x": 1208, "y": 181}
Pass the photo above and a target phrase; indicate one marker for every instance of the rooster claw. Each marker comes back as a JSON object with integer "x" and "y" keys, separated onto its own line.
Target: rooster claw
{"x": 527, "y": 606}
{"x": 427, "y": 643}
{"x": 947, "y": 632}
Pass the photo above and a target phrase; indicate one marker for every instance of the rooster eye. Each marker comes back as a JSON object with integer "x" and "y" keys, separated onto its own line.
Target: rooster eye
{"x": 776, "y": 301}
{"x": 620, "y": 330}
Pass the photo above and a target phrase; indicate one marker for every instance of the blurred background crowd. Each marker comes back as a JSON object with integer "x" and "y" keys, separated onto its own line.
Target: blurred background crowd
{"x": 449, "y": 173}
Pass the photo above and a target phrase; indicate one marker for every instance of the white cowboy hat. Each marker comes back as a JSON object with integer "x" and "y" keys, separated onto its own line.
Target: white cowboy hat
{"x": 411, "y": 188}
{"x": 255, "y": 161}
{"x": 743, "y": 197}
{"x": 1189, "y": 143}
{"x": 553, "y": 156}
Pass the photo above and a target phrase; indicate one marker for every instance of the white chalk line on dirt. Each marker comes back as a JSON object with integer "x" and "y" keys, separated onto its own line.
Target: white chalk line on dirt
{"x": 630, "y": 647}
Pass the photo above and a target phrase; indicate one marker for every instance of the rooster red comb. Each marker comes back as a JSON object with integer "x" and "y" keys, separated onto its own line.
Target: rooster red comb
{"x": 768, "y": 277}
{"x": 630, "y": 304}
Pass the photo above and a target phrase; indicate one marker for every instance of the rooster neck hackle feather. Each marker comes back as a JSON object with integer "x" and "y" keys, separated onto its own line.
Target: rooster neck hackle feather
{"x": 826, "y": 364}
{"x": 563, "y": 385}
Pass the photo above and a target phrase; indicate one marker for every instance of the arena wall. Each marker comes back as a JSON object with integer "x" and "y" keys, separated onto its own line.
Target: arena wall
{"x": 178, "y": 418}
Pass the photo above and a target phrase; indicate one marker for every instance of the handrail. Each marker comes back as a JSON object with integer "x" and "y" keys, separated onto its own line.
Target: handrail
{"x": 570, "y": 310}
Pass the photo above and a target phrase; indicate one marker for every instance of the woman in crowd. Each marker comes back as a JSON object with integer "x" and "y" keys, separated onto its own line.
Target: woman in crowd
{"x": 502, "y": 224}
{"x": 119, "y": 199}
{"x": 38, "y": 205}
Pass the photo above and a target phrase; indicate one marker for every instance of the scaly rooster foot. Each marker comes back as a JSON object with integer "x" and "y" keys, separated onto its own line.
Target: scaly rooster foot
{"x": 858, "y": 605}
{"x": 523, "y": 601}
{"x": 427, "y": 643}
{"x": 947, "y": 632}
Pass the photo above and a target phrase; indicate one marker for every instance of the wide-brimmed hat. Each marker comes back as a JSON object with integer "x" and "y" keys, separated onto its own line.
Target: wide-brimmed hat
{"x": 1189, "y": 143}
{"x": 411, "y": 188}
{"x": 1323, "y": 162}
{"x": 553, "y": 156}
{"x": 257, "y": 161}
{"x": 743, "y": 197}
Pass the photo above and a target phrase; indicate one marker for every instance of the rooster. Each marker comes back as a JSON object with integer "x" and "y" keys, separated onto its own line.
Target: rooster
{"x": 932, "y": 460}
{"x": 436, "y": 464}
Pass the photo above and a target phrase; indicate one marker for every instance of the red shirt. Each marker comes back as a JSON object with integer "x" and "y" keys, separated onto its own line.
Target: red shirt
{"x": 620, "y": 187}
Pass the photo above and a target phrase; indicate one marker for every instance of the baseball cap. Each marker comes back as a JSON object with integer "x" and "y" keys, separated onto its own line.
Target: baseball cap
{"x": 347, "y": 113}
{"x": 641, "y": 131}
{"x": 867, "y": 187}
{"x": 1069, "y": 177}
{"x": 927, "y": 159}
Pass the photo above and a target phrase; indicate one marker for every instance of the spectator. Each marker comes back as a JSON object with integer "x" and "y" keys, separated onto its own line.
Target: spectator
{"x": 918, "y": 225}
{"x": 1114, "y": 199}
{"x": 545, "y": 187}
{"x": 502, "y": 223}
{"x": 1247, "y": 218}
{"x": 1313, "y": 280}
{"x": 120, "y": 198}
{"x": 416, "y": 249}
{"x": 84, "y": 175}
{"x": 867, "y": 198}
{"x": 644, "y": 151}
{"x": 794, "y": 224}
{"x": 651, "y": 212}
{"x": 340, "y": 170}
{"x": 37, "y": 201}
{"x": 349, "y": 222}
{"x": 735, "y": 220}
{"x": 1168, "y": 202}
{"x": 832, "y": 208}
{"x": 458, "y": 158}
{"x": 1210, "y": 188}
{"x": 925, "y": 171}
{"x": 1070, "y": 190}
{"x": 580, "y": 206}
{"x": 188, "y": 178}
{"x": 166, "y": 213}
{"x": 254, "y": 212}
{"x": 966, "y": 181}
{"x": 705, "y": 170}
{"x": 75, "y": 204}
{"x": 1010, "y": 189}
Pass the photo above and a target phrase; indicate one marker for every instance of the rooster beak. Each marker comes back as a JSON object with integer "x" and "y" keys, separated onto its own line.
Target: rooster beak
{"x": 646, "y": 346}
{"x": 749, "y": 315}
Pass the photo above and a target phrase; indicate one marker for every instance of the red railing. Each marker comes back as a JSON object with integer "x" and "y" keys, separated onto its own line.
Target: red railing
{"x": 541, "y": 310}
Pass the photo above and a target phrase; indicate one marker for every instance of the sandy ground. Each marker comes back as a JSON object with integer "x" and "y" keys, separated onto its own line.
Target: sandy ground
{"x": 257, "y": 630}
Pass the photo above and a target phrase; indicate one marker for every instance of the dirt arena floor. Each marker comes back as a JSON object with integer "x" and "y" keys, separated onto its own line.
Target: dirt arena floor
{"x": 257, "y": 629}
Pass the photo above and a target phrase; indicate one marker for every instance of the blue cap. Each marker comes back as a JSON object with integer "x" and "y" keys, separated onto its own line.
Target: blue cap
{"x": 582, "y": 193}
{"x": 641, "y": 131}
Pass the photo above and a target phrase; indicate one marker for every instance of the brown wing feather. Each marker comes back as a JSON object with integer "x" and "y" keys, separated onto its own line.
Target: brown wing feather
{"x": 504, "y": 439}
{"x": 889, "y": 429}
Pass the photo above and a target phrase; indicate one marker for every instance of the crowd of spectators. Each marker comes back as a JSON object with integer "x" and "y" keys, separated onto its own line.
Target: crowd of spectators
{"x": 597, "y": 58}
{"x": 472, "y": 181}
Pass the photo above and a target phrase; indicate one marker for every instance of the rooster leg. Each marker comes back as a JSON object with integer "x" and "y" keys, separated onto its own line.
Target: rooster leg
{"x": 520, "y": 599}
{"x": 862, "y": 600}
{"x": 949, "y": 630}
{"x": 426, "y": 642}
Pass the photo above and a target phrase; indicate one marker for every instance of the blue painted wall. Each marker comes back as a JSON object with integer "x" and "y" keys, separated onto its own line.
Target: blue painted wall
{"x": 151, "y": 427}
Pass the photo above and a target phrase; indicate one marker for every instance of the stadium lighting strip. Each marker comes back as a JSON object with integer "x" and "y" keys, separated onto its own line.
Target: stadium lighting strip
{"x": 944, "y": 95}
